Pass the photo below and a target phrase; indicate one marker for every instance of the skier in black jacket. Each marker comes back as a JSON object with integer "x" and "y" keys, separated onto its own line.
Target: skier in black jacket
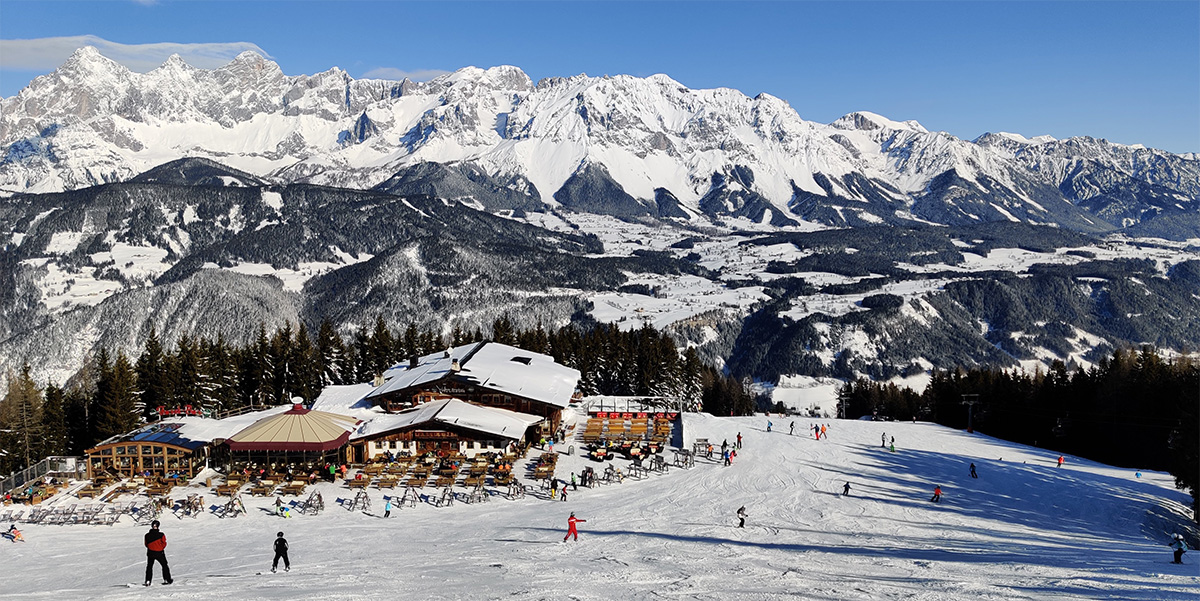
{"x": 156, "y": 547}
{"x": 281, "y": 548}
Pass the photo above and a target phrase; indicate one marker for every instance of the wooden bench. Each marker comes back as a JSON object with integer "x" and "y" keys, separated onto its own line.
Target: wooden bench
{"x": 228, "y": 490}
{"x": 415, "y": 482}
{"x": 359, "y": 483}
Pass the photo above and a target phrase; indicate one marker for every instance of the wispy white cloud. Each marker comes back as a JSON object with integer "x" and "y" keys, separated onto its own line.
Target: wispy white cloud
{"x": 46, "y": 54}
{"x": 394, "y": 73}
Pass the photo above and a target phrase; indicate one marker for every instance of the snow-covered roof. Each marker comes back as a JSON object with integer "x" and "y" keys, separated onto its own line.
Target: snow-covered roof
{"x": 347, "y": 399}
{"x": 493, "y": 366}
{"x": 193, "y": 432}
{"x": 489, "y": 420}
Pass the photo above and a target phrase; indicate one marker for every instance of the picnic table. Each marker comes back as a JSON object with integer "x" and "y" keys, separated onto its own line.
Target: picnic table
{"x": 158, "y": 490}
{"x": 262, "y": 490}
{"x": 387, "y": 482}
{"x": 89, "y": 492}
{"x": 416, "y": 482}
{"x": 359, "y": 483}
{"x": 296, "y": 487}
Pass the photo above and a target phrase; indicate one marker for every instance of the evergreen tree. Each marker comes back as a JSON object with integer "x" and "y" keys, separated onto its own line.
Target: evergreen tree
{"x": 690, "y": 379}
{"x": 152, "y": 384}
{"x": 222, "y": 374}
{"x": 503, "y": 331}
{"x": 330, "y": 355}
{"x": 282, "y": 376}
{"x": 99, "y": 395}
{"x": 21, "y": 422}
{"x": 191, "y": 385}
{"x": 118, "y": 408}
{"x": 54, "y": 423}
{"x": 307, "y": 381}
{"x": 381, "y": 348}
{"x": 77, "y": 403}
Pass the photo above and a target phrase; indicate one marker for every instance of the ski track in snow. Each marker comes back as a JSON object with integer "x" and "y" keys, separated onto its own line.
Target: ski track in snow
{"x": 1025, "y": 530}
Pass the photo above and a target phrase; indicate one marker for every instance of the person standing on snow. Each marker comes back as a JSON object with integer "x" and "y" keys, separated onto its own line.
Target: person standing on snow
{"x": 387, "y": 508}
{"x": 973, "y": 474}
{"x": 741, "y": 514}
{"x": 571, "y": 529}
{"x": 768, "y": 426}
{"x": 1060, "y": 460}
{"x": 824, "y": 434}
{"x": 1180, "y": 548}
{"x": 792, "y": 429}
{"x": 739, "y": 440}
{"x": 937, "y": 494}
{"x": 883, "y": 440}
{"x": 156, "y": 546}
{"x": 281, "y": 549}
{"x": 574, "y": 486}
{"x": 846, "y": 490}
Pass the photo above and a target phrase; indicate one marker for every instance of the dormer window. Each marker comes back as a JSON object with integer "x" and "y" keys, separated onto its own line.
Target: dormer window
{"x": 525, "y": 360}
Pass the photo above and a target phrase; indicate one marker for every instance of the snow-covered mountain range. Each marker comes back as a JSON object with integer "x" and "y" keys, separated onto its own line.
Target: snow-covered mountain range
{"x": 208, "y": 202}
{"x": 621, "y": 145}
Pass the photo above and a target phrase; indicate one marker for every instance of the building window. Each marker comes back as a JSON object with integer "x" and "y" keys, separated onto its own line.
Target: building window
{"x": 391, "y": 444}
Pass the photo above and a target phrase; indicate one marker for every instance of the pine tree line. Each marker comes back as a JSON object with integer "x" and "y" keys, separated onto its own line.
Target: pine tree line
{"x": 1133, "y": 409}
{"x": 112, "y": 395}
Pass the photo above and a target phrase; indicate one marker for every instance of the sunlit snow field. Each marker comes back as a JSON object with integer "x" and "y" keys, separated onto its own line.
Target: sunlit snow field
{"x": 1024, "y": 530}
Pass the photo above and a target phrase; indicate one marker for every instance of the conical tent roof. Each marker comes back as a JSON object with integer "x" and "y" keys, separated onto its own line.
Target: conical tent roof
{"x": 297, "y": 429}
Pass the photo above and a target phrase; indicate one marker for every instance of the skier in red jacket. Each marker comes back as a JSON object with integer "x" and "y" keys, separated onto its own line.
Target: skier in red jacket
{"x": 156, "y": 546}
{"x": 571, "y": 521}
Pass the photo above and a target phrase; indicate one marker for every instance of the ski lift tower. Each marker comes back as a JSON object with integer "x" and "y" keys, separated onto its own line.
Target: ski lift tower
{"x": 970, "y": 400}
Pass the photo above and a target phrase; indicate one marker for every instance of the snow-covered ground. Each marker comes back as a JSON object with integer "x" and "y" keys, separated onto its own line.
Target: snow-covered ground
{"x": 1024, "y": 530}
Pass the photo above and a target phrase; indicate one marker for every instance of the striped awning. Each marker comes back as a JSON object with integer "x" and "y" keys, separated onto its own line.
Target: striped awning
{"x": 297, "y": 429}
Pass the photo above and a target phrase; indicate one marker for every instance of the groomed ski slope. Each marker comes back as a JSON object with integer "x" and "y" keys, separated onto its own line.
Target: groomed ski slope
{"x": 1024, "y": 530}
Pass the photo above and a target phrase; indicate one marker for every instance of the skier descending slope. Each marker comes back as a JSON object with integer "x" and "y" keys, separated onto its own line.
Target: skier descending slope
{"x": 741, "y": 515}
{"x": 1180, "y": 548}
{"x": 571, "y": 529}
{"x": 937, "y": 494}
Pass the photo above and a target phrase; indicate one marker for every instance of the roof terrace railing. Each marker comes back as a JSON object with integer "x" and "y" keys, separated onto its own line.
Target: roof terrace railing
{"x": 55, "y": 466}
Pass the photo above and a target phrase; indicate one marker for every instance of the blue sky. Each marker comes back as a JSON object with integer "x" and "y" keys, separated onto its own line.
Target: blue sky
{"x": 1125, "y": 71}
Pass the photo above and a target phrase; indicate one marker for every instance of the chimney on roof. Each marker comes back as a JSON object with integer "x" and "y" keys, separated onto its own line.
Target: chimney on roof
{"x": 454, "y": 366}
{"x": 378, "y": 380}
{"x": 446, "y": 354}
{"x": 412, "y": 362}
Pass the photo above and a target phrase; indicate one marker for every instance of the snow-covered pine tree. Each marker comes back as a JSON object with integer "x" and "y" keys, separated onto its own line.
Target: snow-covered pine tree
{"x": 20, "y": 422}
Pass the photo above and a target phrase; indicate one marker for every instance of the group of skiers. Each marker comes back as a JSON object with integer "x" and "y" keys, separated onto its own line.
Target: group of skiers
{"x": 156, "y": 551}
